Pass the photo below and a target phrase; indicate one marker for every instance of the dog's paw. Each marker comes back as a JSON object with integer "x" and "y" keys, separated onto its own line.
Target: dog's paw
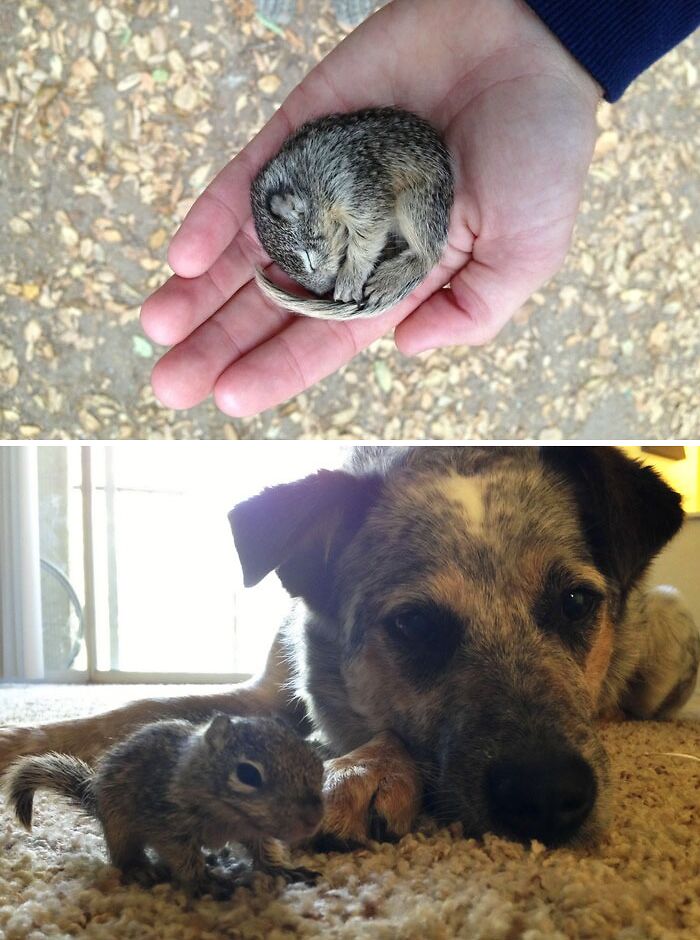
{"x": 372, "y": 793}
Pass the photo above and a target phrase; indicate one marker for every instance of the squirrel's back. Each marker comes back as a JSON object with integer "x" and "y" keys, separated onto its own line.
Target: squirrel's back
{"x": 374, "y": 149}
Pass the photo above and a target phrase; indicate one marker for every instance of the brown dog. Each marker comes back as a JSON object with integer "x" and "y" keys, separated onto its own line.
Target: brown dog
{"x": 463, "y": 615}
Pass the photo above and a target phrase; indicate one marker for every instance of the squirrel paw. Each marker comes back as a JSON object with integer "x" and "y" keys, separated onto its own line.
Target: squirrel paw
{"x": 293, "y": 875}
{"x": 146, "y": 874}
{"x": 391, "y": 282}
{"x": 349, "y": 285}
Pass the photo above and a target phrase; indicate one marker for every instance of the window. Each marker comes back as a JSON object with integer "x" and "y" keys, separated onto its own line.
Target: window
{"x": 137, "y": 571}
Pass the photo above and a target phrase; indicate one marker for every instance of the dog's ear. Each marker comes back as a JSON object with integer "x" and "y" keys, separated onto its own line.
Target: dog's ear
{"x": 299, "y": 529}
{"x": 628, "y": 512}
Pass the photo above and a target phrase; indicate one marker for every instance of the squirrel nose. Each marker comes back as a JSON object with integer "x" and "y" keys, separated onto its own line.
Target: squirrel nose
{"x": 312, "y": 813}
{"x": 547, "y": 797}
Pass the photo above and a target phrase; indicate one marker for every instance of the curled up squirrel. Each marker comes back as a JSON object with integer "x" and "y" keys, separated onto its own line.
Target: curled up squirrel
{"x": 174, "y": 787}
{"x": 355, "y": 204}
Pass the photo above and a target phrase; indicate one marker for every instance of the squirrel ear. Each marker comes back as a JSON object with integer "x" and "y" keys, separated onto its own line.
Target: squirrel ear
{"x": 218, "y": 732}
{"x": 287, "y": 205}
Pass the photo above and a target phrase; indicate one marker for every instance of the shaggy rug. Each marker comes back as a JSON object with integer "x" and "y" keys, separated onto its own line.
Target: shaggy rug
{"x": 642, "y": 882}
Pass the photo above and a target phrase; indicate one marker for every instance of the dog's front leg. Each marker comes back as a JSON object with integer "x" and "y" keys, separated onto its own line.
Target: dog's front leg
{"x": 373, "y": 792}
{"x": 89, "y": 737}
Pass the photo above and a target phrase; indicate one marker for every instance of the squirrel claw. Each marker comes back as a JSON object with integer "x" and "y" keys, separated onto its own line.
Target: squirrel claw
{"x": 294, "y": 875}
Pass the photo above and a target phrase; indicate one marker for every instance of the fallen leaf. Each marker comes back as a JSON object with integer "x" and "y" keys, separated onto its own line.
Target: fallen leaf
{"x": 69, "y": 236}
{"x": 200, "y": 176}
{"x": 104, "y": 19}
{"x": 157, "y": 239}
{"x": 19, "y": 226}
{"x": 142, "y": 347}
{"x": 268, "y": 84}
{"x": 186, "y": 98}
{"x": 30, "y": 291}
{"x": 383, "y": 375}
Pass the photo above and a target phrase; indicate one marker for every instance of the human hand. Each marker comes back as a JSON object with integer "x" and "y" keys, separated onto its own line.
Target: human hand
{"x": 517, "y": 113}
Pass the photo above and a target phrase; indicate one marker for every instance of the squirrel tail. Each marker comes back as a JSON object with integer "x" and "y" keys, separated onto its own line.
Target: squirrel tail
{"x": 67, "y": 775}
{"x": 310, "y": 307}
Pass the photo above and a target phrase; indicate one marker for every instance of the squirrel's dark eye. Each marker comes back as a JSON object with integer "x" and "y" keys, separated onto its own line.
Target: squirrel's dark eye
{"x": 578, "y": 603}
{"x": 249, "y": 775}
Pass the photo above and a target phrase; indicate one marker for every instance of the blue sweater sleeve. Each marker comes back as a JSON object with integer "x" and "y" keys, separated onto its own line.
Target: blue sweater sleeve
{"x": 616, "y": 40}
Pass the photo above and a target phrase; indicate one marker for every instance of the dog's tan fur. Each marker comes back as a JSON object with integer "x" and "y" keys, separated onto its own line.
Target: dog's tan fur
{"x": 598, "y": 660}
{"x": 485, "y": 537}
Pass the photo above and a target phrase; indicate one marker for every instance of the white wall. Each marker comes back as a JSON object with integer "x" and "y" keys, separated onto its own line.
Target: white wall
{"x": 679, "y": 564}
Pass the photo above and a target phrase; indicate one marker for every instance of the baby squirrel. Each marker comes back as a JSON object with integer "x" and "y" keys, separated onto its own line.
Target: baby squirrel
{"x": 355, "y": 203}
{"x": 175, "y": 787}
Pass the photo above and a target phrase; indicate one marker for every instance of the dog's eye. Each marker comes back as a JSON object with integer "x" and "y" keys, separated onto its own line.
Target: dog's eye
{"x": 411, "y": 625}
{"x": 578, "y": 604}
{"x": 426, "y": 637}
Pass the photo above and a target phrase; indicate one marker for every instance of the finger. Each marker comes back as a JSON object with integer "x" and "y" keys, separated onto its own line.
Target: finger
{"x": 303, "y": 353}
{"x": 180, "y": 305}
{"x": 479, "y": 302}
{"x": 186, "y": 374}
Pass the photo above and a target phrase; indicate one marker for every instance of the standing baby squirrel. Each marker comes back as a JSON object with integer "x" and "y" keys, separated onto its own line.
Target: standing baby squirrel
{"x": 355, "y": 203}
{"x": 175, "y": 787}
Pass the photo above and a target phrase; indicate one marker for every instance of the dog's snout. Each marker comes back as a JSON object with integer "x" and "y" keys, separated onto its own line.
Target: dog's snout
{"x": 546, "y": 797}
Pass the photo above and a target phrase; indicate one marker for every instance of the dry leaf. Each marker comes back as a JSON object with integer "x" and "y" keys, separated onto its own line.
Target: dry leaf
{"x": 69, "y": 236}
{"x": 30, "y": 291}
{"x": 99, "y": 45}
{"x": 142, "y": 47}
{"x": 104, "y": 19}
{"x": 157, "y": 239}
{"x": 200, "y": 176}
{"x": 186, "y": 98}
{"x": 32, "y": 331}
{"x": 131, "y": 81}
{"x": 19, "y": 226}
{"x": 268, "y": 84}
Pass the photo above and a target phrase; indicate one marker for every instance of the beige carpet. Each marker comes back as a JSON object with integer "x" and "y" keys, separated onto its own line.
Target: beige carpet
{"x": 643, "y": 882}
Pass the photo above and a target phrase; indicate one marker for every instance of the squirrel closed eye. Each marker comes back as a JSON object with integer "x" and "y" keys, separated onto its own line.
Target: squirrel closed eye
{"x": 356, "y": 206}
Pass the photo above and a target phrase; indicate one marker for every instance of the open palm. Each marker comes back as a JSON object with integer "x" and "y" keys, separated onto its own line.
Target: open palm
{"x": 518, "y": 115}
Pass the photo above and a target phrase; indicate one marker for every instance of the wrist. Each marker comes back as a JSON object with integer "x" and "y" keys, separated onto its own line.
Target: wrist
{"x": 575, "y": 70}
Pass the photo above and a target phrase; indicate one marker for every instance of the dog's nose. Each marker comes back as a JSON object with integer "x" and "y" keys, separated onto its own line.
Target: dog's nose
{"x": 546, "y": 797}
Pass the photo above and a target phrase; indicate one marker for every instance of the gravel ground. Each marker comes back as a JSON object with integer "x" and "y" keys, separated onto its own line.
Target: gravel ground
{"x": 113, "y": 116}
